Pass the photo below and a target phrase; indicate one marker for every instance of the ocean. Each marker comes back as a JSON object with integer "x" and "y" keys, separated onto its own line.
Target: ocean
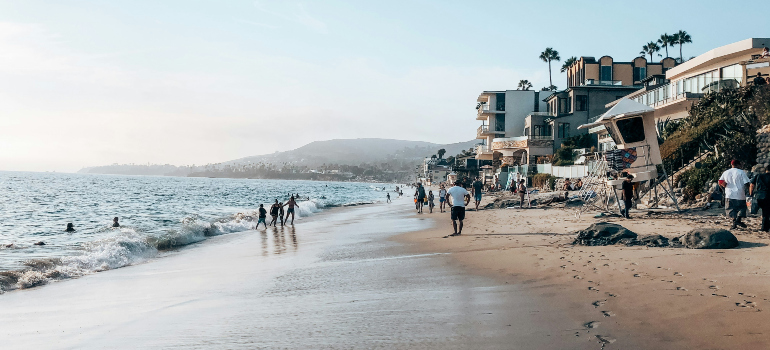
{"x": 156, "y": 214}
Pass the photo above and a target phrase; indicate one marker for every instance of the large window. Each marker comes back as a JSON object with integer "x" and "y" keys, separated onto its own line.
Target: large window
{"x": 734, "y": 72}
{"x": 631, "y": 129}
{"x": 581, "y": 103}
{"x": 563, "y": 130}
{"x": 563, "y": 106}
{"x": 606, "y": 73}
{"x": 500, "y": 101}
{"x": 640, "y": 73}
{"x": 541, "y": 130}
{"x": 499, "y": 122}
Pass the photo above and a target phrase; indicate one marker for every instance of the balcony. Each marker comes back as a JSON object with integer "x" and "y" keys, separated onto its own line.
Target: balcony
{"x": 522, "y": 142}
{"x": 485, "y": 130}
{"x": 484, "y": 111}
{"x": 603, "y": 82}
{"x": 483, "y": 152}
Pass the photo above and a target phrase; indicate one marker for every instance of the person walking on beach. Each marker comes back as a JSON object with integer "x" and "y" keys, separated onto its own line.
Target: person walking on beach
{"x": 388, "y": 197}
{"x": 627, "y": 195}
{"x": 274, "y": 212}
{"x": 734, "y": 180}
{"x": 522, "y": 190}
{"x": 459, "y": 199}
{"x": 420, "y": 193}
{"x": 477, "y": 185}
{"x": 291, "y": 204}
{"x": 262, "y": 216}
{"x": 441, "y": 198}
{"x": 760, "y": 190}
{"x": 430, "y": 202}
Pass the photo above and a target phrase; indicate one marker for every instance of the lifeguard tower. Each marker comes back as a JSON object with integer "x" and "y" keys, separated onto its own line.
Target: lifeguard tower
{"x": 632, "y": 127}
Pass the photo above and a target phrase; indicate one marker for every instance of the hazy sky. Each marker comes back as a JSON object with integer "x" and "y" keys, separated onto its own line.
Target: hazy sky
{"x": 87, "y": 83}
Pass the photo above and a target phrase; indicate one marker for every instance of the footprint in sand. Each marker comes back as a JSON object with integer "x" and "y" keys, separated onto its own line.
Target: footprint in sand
{"x": 592, "y": 324}
{"x": 747, "y": 304}
{"x": 714, "y": 287}
{"x": 605, "y": 339}
{"x": 599, "y": 303}
{"x": 577, "y": 277}
{"x": 637, "y": 275}
{"x": 681, "y": 288}
{"x": 677, "y": 274}
{"x": 608, "y": 313}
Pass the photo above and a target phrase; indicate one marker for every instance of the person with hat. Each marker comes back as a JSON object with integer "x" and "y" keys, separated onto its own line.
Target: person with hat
{"x": 733, "y": 181}
{"x": 627, "y": 195}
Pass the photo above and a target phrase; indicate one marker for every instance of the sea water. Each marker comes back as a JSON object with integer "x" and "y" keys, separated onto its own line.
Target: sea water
{"x": 156, "y": 214}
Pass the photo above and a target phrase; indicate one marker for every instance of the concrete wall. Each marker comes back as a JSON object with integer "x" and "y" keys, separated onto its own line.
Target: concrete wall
{"x": 519, "y": 104}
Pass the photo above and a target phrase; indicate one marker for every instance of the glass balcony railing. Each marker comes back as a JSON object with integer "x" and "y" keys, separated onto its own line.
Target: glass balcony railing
{"x": 603, "y": 82}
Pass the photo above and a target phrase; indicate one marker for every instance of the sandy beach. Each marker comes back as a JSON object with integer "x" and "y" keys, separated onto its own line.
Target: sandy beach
{"x": 625, "y": 297}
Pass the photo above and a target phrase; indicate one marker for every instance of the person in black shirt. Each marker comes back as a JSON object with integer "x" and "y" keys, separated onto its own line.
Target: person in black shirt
{"x": 628, "y": 195}
{"x": 477, "y": 185}
{"x": 759, "y": 80}
{"x": 274, "y": 212}
{"x": 262, "y": 216}
{"x": 760, "y": 190}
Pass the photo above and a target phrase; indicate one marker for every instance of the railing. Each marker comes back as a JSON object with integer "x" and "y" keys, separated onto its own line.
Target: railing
{"x": 482, "y": 129}
{"x": 482, "y": 149}
{"x": 603, "y": 82}
{"x": 540, "y": 137}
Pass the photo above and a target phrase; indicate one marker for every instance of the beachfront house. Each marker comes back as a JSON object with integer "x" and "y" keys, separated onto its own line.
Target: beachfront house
{"x": 674, "y": 91}
{"x": 503, "y": 116}
{"x": 592, "y": 84}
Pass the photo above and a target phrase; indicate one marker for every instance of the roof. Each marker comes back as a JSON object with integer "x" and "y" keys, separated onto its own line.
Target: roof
{"x": 720, "y": 53}
{"x": 623, "y": 108}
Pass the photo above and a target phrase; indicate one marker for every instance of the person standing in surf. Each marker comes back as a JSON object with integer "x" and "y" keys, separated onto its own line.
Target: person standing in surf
{"x": 262, "y": 216}
{"x": 420, "y": 193}
{"x": 274, "y": 213}
{"x": 459, "y": 199}
{"x": 290, "y": 210}
{"x": 388, "y": 197}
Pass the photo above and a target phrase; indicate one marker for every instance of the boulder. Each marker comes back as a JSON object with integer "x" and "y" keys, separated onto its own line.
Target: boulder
{"x": 652, "y": 241}
{"x": 604, "y": 233}
{"x": 709, "y": 238}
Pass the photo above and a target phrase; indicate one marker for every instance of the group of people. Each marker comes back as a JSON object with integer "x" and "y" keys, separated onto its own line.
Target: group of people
{"x": 569, "y": 186}
{"x": 71, "y": 226}
{"x": 277, "y": 213}
{"x": 734, "y": 182}
{"x": 457, "y": 197}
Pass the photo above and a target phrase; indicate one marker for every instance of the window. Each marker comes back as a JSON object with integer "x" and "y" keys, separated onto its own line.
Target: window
{"x": 500, "y": 101}
{"x": 732, "y": 73}
{"x": 541, "y": 130}
{"x": 581, "y": 103}
{"x": 499, "y": 122}
{"x": 526, "y": 132}
{"x": 563, "y": 130}
{"x": 631, "y": 129}
{"x": 563, "y": 106}
{"x": 640, "y": 73}
{"x": 606, "y": 73}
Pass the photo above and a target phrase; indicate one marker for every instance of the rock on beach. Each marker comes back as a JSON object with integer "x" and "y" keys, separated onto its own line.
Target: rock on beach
{"x": 709, "y": 238}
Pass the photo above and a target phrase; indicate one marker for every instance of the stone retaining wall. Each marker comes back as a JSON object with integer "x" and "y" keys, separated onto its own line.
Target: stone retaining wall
{"x": 763, "y": 146}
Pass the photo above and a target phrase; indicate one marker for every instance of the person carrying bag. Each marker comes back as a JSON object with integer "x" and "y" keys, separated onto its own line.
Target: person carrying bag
{"x": 760, "y": 192}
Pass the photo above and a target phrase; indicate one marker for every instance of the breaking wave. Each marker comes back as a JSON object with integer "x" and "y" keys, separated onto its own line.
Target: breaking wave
{"x": 131, "y": 246}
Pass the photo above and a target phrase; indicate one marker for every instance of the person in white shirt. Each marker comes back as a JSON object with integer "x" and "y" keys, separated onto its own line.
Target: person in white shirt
{"x": 460, "y": 198}
{"x": 734, "y": 180}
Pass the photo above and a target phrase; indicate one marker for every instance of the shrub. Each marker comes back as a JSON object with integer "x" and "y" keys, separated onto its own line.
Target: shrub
{"x": 541, "y": 180}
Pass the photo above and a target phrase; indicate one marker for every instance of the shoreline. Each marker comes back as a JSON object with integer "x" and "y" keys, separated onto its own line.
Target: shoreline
{"x": 625, "y": 297}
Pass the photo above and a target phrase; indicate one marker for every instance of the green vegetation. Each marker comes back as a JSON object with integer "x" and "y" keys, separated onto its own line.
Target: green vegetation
{"x": 524, "y": 85}
{"x": 649, "y": 49}
{"x": 723, "y": 122}
{"x": 568, "y": 63}
{"x": 540, "y": 180}
{"x": 681, "y": 38}
{"x": 547, "y": 56}
{"x": 565, "y": 154}
{"x": 665, "y": 41}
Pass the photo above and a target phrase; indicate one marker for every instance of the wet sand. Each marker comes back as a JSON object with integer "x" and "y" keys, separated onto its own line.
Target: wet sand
{"x": 628, "y": 297}
{"x": 335, "y": 281}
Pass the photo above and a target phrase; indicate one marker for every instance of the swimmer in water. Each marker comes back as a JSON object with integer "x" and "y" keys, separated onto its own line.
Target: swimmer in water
{"x": 70, "y": 228}
{"x": 115, "y": 222}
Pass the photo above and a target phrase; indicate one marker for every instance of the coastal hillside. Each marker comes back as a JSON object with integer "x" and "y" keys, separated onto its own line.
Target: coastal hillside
{"x": 385, "y": 153}
{"x": 354, "y": 152}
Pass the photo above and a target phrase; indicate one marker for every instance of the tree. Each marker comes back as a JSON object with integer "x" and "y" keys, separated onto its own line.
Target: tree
{"x": 524, "y": 85}
{"x": 568, "y": 63}
{"x": 681, "y": 38}
{"x": 649, "y": 49}
{"x": 433, "y": 157}
{"x": 666, "y": 40}
{"x": 441, "y": 153}
{"x": 547, "y": 56}
{"x": 549, "y": 88}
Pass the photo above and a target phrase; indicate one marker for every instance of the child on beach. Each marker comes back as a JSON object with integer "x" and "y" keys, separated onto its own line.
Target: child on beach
{"x": 430, "y": 202}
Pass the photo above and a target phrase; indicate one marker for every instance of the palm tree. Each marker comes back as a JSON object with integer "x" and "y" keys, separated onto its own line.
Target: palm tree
{"x": 681, "y": 38}
{"x": 649, "y": 49}
{"x": 441, "y": 153}
{"x": 524, "y": 85}
{"x": 547, "y": 56}
{"x": 666, "y": 40}
{"x": 568, "y": 63}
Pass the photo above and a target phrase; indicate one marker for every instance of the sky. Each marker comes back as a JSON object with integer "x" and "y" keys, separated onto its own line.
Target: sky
{"x": 86, "y": 83}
